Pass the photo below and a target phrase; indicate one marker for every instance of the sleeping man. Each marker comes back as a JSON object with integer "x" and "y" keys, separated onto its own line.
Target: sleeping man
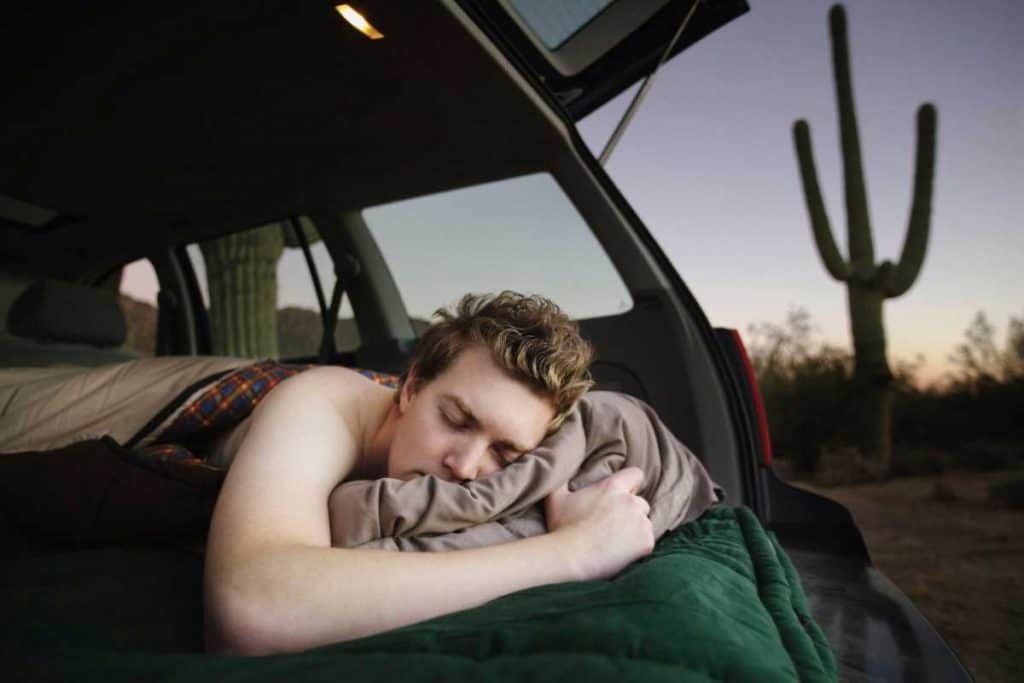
{"x": 486, "y": 385}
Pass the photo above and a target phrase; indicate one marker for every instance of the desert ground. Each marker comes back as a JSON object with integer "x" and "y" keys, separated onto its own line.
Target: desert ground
{"x": 958, "y": 556}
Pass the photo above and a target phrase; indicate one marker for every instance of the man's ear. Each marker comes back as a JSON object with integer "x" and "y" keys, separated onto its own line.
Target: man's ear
{"x": 408, "y": 390}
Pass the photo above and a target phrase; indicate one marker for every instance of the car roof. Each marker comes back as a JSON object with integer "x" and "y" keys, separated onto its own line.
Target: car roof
{"x": 137, "y": 126}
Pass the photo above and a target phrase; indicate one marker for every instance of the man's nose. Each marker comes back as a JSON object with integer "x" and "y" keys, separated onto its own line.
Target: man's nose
{"x": 464, "y": 462}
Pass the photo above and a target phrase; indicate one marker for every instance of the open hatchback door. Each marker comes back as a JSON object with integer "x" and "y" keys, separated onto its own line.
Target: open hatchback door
{"x": 586, "y": 52}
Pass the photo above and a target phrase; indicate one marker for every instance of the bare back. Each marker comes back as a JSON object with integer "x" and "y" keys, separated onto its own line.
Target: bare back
{"x": 303, "y": 440}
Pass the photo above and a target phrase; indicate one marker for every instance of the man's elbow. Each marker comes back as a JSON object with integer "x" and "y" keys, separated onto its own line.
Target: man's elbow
{"x": 233, "y": 624}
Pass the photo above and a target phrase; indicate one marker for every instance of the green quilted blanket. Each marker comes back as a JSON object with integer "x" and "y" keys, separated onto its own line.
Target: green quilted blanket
{"x": 718, "y": 600}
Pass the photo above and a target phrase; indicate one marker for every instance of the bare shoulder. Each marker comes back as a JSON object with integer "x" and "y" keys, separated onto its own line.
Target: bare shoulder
{"x": 341, "y": 385}
{"x": 304, "y": 439}
{"x": 351, "y": 393}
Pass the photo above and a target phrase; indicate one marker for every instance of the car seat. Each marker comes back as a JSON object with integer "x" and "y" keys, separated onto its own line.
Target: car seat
{"x": 53, "y": 322}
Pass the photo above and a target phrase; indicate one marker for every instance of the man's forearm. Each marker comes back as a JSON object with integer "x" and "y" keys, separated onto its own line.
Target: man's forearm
{"x": 291, "y": 598}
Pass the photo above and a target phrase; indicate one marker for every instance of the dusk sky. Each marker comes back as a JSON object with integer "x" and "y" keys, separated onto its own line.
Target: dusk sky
{"x": 709, "y": 162}
{"x": 709, "y": 165}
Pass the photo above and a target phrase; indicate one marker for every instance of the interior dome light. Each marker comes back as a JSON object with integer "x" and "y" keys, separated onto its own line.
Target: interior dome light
{"x": 358, "y": 22}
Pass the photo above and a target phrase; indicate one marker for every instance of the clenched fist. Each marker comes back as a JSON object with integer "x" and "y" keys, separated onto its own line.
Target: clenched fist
{"x": 605, "y": 525}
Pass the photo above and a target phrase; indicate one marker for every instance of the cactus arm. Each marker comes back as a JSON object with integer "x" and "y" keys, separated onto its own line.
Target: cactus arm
{"x": 861, "y": 247}
{"x": 916, "y": 242}
{"x": 827, "y": 249}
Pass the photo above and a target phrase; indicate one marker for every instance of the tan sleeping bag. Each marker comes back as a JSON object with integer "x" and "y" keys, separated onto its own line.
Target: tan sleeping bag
{"x": 48, "y": 408}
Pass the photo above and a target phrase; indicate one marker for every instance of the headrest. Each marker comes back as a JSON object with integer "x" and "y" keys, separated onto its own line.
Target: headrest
{"x": 60, "y": 311}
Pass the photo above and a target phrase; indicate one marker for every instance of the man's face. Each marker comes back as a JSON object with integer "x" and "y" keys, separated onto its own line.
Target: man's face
{"x": 468, "y": 422}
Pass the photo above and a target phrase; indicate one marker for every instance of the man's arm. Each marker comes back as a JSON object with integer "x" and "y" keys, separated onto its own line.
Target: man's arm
{"x": 273, "y": 583}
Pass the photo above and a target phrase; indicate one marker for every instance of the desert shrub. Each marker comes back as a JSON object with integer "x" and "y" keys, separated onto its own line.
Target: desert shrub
{"x": 916, "y": 460}
{"x": 844, "y": 466}
{"x": 947, "y": 418}
{"x": 140, "y": 320}
{"x": 980, "y": 363}
{"x": 943, "y": 491}
{"x": 1009, "y": 491}
{"x": 805, "y": 386}
{"x": 983, "y": 455}
{"x": 982, "y": 398}
{"x": 975, "y": 419}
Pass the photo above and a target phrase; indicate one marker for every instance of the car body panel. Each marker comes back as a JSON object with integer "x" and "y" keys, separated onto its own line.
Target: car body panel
{"x": 875, "y": 631}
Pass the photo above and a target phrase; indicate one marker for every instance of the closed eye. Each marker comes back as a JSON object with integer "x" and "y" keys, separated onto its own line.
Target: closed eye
{"x": 453, "y": 423}
{"x": 505, "y": 455}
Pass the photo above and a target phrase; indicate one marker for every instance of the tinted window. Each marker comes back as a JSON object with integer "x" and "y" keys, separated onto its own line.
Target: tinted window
{"x": 260, "y": 296}
{"x": 521, "y": 234}
{"x": 556, "y": 22}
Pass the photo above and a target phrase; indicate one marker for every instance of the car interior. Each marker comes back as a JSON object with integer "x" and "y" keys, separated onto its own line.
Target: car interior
{"x": 333, "y": 138}
{"x": 205, "y": 120}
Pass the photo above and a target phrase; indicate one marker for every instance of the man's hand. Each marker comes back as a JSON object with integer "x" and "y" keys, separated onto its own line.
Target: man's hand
{"x": 606, "y": 524}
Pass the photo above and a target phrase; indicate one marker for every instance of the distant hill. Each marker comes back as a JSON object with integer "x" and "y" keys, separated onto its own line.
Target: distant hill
{"x": 140, "y": 324}
{"x": 298, "y": 329}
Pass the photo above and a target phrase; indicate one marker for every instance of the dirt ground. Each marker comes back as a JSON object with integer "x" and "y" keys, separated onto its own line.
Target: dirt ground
{"x": 958, "y": 557}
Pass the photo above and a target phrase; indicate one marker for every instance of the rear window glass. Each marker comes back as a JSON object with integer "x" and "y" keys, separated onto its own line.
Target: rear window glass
{"x": 521, "y": 234}
{"x": 556, "y": 22}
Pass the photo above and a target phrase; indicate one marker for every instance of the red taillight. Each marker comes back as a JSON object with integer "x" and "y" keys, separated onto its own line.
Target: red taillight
{"x": 762, "y": 416}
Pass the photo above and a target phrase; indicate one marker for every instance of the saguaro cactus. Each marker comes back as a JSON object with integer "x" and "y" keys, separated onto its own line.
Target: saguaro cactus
{"x": 868, "y": 284}
{"x": 241, "y": 271}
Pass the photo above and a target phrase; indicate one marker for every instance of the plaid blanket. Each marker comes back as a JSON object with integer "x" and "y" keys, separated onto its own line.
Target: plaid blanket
{"x": 222, "y": 405}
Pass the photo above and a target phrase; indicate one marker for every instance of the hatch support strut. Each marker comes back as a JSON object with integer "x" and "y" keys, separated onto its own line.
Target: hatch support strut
{"x": 642, "y": 92}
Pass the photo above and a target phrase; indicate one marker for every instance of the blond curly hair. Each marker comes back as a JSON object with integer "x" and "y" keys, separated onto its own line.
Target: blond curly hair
{"x": 529, "y": 336}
